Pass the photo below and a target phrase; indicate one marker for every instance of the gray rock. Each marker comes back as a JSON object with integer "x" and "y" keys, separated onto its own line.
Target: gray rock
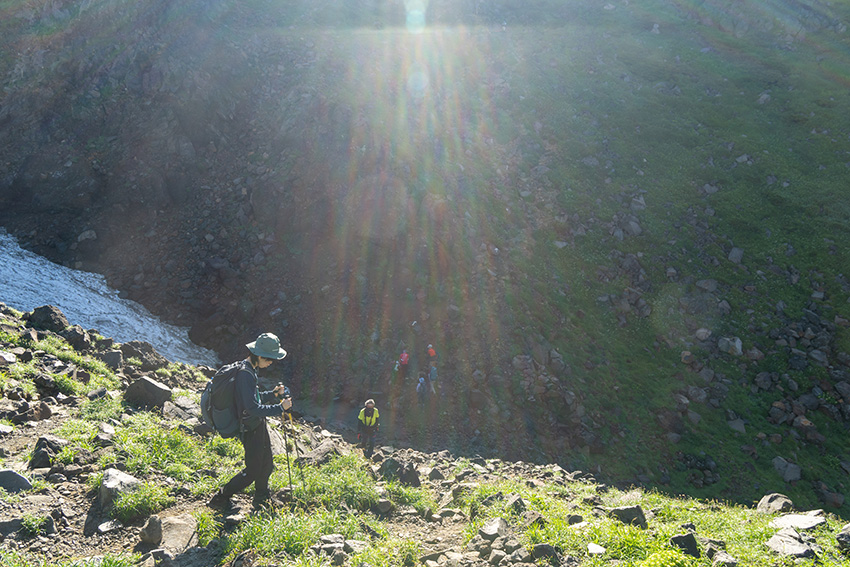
{"x": 147, "y": 392}
{"x": 737, "y": 425}
{"x": 773, "y": 503}
{"x": 787, "y": 542}
{"x": 798, "y": 521}
{"x": 7, "y": 358}
{"x": 12, "y": 482}
{"x": 77, "y": 337}
{"x": 723, "y": 559}
{"x": 321, "y": 454}
{"x": 37, "y": 411}
{"x": 631, "y": 515}
{"x": 730, "y": 345}
{"x": 173, "y": 411}
{"x": 143, "y": 351}
{"x": 355, "y": 546}
{"x": 47, "y": 447}
{"x": 520, "y": 555}
{"x": 114, "y": 359}
{"x": 48, "y": 317}
{"x": 843, "y": 538}
{"x": 496, "y": 557}
{"x": 544, "y": 551}
{"x": 764, "y": 381}
{"x": 109, "y": 526}
{"x": 736, "y": 255}
{"x": 790, "y": 472}
{"x": 278, "y": 443}
{"x": 707, "y": 285}
{"x": 176, "y": 533}
{"x": 687, "y": 543}
{"x": 114, "y": 484}
{"x": 843, "y": 388}
{"x": 496, "y": 527}
{"x": 516, "y": 503}
{"x": 809, "y": 401}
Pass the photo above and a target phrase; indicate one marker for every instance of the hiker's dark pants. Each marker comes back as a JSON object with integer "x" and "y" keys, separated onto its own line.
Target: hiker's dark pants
{"x": 258, "y": 464}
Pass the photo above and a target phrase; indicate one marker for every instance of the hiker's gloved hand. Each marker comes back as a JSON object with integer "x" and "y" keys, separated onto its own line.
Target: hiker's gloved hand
{"x": 286, "y": 403}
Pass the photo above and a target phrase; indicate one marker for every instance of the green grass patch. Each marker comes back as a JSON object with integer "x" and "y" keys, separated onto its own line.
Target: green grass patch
{"x": 343, "y": 479}
{"x": 147, "y": 499}
{"x": 12, "y": 558}
{"x": 282, "y": 537}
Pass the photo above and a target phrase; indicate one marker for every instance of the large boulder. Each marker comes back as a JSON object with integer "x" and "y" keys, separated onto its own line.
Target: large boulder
{"x": 147, "y": 392}
{"x": 843, "y": 538}
{"x": 49, "y": 318}
{"x": 773, "y": 503}
{"x": 174, "y": 533}
{"x": 77, "y": 337}
{"x": 46, "y": 448}
{"x": 12, "y": 482}
{"x": 495, "y": 528}
{"x": 151, "y": 360}
{"x": 114, "y": 484}
{"x": 320, "y": 454}
{"x": 787, "y": 542}
{"x": 631, "y": 515}
{"x": 114, "y": 359}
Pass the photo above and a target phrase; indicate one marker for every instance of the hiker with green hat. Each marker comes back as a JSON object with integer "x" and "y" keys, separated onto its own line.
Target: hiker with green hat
{"x": 252, "y": 413}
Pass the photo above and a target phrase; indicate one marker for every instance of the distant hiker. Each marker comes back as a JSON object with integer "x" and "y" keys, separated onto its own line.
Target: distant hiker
{"x": 254, "y": 433}
{"x": 432, "y": 376}
{"x": 432, "y": 354}
{"x": 367, "y": 427}
{"x": 403, "y": 360}
{"x": 422, "y": 391}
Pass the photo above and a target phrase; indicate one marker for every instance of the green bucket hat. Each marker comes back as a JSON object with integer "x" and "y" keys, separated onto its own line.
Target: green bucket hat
{"x": 267, "y": 345}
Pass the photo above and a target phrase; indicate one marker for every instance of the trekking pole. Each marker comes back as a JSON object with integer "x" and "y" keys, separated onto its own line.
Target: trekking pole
{"x": 286, "y": 394}
{"x": 288, "y": 470}
{"x": 298, "y": 459}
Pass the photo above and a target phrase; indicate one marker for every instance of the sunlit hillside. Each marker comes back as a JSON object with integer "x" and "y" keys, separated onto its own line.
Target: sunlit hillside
{"x": 621, "y": 224}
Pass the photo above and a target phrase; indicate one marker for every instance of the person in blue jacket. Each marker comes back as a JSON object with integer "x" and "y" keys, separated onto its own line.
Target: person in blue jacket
{"x": 252, "y": 413}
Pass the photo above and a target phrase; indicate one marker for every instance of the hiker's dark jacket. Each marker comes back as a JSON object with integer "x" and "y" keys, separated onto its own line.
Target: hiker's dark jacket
{"x": 249, "y": 400}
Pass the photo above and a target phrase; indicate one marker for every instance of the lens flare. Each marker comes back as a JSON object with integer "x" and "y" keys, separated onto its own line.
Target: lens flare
{"x": 415, "y": 15}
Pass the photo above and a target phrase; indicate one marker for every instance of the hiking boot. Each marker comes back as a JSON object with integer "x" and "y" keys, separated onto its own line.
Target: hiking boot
{"x": 221, "y": 500}
{"x": 269, "y": 504}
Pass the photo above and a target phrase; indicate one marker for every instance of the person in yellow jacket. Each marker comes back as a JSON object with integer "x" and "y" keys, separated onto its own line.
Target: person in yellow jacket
{"x": 367, "y": 427}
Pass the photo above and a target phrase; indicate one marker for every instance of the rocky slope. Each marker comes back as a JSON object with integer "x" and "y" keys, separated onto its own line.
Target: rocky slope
{"x": 74, "y": 499}
{"x": 253, "y": 166}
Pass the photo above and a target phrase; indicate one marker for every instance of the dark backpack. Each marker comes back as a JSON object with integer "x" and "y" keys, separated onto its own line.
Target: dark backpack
{"x": 218, "y": 401}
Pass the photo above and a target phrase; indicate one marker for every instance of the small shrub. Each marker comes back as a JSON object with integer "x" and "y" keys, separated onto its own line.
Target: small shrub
{"x": 341, "y": 480}
{"x": 208, "y": 527}
{"x": 94, "y": 481}
{"x": 133, "y": 361}
{"x": 667, "y": 558}
{"x": 395, "y": 553}
{"x": 33, "y": 525}
{"x": 419, "y": 498}
{"x": 102, "y": 409}
{"x": 147, "y": 499}
{"x": 68, "y": 385}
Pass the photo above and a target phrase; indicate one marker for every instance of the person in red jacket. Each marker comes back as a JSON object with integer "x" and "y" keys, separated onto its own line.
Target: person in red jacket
{"x": 432, "y": 355}
{"x": 403, "y": 360}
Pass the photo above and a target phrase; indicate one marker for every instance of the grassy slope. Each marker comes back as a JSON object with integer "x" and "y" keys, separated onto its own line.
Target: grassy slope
{"x": 663, "y": 114}
{"x": 178, "y": 467}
